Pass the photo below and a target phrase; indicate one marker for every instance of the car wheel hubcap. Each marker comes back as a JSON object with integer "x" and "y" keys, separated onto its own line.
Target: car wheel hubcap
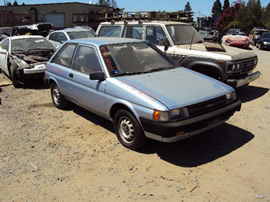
{"x": 56, "y": 95}
{"x": 126, "y": 130}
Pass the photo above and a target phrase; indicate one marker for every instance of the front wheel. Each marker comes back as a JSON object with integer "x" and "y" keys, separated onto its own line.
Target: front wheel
{"x": 260, "y": 46}
{"x": 58, "y": 99}
{"x": 128, "y": 130}
{"x": 14, "y": 76}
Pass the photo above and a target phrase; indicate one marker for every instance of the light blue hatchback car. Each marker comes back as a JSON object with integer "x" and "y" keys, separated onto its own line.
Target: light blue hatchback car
{"x": 138, "y": 88}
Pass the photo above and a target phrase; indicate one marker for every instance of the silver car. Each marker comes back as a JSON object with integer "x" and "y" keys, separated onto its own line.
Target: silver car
{"x": 138, "y": 88}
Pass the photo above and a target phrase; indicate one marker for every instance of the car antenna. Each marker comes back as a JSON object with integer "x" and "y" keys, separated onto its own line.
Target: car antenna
{"x": 191, "y": 40}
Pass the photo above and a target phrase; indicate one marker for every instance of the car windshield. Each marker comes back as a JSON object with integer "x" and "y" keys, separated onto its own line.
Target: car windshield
{"x": 80, "y": 34}
{"x": 134, "y": 58}
{"x": 184, "y": 34}
{"x": 266, "y": 35}
{"x": 26, "y": 44}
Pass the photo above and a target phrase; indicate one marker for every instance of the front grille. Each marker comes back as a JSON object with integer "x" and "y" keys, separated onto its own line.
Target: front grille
{"x": 247, "y": 66}
{"x": 207, "y": 106}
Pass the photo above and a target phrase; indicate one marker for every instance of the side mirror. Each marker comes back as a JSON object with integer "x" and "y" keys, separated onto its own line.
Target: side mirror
{"x": 97, "y": 76}
{"x": 164, "y": 42}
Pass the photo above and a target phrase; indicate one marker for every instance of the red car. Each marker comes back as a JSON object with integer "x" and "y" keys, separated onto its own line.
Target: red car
{"x": 238, "y": 40}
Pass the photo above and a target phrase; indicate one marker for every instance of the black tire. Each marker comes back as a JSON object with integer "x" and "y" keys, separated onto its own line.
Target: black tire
{"x": 260, "y": 46}
{"x": 14, "y": 76}
{"x": 128, "y": 130}
{"x": 58, "y": 99}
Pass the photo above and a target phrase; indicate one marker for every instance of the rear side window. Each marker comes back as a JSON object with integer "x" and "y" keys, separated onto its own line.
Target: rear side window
{"x": 135, "y": 32}
{"x": 110, "y": 31}
{"x": 86, "y": 60}
{"x": 64, "y": 57}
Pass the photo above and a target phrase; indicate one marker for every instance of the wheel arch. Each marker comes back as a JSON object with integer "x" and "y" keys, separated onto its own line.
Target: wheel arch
{"x": 209, "y": 69}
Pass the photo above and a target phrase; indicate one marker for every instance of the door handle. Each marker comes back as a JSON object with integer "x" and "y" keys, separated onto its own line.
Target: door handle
{"x": 70, "y": 75}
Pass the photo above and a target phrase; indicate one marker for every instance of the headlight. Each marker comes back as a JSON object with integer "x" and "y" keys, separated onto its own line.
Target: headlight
{"x": 179, "y": 113}
{"x": 21, "y": 63}
{"x": 161, "y": 115}
{"x": 230, "y": 97}
{"x": 265, "y": 43}
{"x": 238, "y": 66}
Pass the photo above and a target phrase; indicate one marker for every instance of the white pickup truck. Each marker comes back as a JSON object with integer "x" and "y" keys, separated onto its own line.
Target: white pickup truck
{"x": 184, "y": 44}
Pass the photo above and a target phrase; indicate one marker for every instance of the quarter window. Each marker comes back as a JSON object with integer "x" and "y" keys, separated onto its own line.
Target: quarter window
{"x": 64, "y": 57}
{"x": 110, "y": 31}
{"x": 86, "y": 60}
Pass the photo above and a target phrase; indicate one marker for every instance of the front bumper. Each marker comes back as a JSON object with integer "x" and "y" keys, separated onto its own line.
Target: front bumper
{"x": 38, "y": 69}
{"x": 243, "y": 81}
{"x": 174, "y": 131}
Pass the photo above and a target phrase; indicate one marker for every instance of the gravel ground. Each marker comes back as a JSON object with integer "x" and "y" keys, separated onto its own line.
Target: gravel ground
{"x": 73, "y": 155}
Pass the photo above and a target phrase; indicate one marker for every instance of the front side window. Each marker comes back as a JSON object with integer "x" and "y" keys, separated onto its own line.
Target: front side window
{"x": 133, "y": 58}
{"x": 155, "y": 34}
{"x": 184, "y": 34}
{"x": 110, "y": 31}
{"x": 64, "y": 56}
{"x": 135, "y": 32}
{"x": 86, "y": 60}
{"x": 5, "y": 45}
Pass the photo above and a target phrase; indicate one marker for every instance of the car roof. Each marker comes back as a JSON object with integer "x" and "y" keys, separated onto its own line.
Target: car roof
{"x": 143, "y": 22}
{"x": 26, "y": 37}
{"x": 98, "y": 41}
{"x": 77, "y": 29}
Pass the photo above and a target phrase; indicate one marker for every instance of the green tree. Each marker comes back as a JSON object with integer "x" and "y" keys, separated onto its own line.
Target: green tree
{"x": 15, "y": 3}
{"x": 266, "y": 16}
{"x": 187, "y": 7}
{"x": 216, "y": 9}
{"x": 9, "y": 4}
{"x": 226, "y": 4}
{"x": 114, "y": 4}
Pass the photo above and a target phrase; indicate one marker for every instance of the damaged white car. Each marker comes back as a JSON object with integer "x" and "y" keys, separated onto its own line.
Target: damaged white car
{"x": 25, "y": 57}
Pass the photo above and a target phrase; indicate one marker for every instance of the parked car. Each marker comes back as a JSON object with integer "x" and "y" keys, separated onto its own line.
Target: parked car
{"x": 186, "y": 47}
{"x": 24, "y": 57}
{"x": 209, "y": 35}
{"x": 138, "y": 88}
{"x": 238, "y": 40}
{"x": 255, "y": 34}
{"x": 60, "y": 36}
{"x": 264, "y": 41}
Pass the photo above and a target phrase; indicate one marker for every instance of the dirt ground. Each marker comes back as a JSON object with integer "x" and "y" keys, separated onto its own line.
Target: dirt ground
{"x": 47, "y": 154}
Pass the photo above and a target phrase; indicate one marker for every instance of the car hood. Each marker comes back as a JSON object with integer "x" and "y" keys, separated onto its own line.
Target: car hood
{"x": 177, "y": 87}
{"x": 230, "y": 53}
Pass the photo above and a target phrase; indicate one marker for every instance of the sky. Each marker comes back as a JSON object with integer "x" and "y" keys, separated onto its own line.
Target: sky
{"x": 200, "y": 8}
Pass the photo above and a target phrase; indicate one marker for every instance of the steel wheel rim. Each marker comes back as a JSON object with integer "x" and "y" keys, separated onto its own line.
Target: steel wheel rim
{"x": 126, "y": 130}
{"x": 56, "y": 95}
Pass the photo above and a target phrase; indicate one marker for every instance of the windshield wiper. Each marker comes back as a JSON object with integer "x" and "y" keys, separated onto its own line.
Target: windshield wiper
{"x": 159, "y": 69}
{"x": 127, "y": 73}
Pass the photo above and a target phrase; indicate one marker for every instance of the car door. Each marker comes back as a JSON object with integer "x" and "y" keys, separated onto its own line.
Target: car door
{"x": 4, "y": 52}
{"x": 88, "y": 93}
{"x": 61, "y": 67}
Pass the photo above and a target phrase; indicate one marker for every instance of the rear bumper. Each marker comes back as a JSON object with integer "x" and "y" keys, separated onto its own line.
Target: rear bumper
{"x": 243, "y": 81}
{"x": 174, "y": 131}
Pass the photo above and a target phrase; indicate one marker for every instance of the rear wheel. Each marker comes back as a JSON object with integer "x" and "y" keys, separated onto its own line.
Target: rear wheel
{"x": 128, "y": 130}
{"x": 58, "y": 99}
{"x": 14, "y": 76}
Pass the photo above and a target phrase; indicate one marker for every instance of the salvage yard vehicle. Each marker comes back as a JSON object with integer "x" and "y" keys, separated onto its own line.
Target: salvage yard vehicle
{"x": 185, "y": 45}
{"x": 60, "y": 36}
{"x": 138, "y": 88}
{"x": 264, "y": 41}
{"x": 238, "y": 40}
{"x": 255, "y": 35}
{"x": 25, "y": 57}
